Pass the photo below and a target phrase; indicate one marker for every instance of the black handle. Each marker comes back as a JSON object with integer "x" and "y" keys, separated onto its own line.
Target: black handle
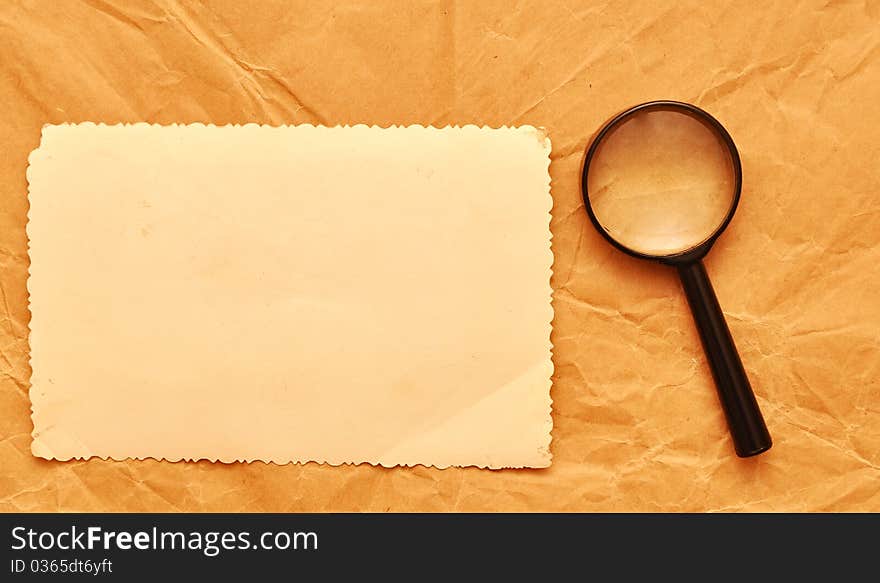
{"x": 747, "y": 427}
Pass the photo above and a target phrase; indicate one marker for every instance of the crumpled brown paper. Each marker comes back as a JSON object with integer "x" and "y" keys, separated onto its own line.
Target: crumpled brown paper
{"x": 637, "y": 423}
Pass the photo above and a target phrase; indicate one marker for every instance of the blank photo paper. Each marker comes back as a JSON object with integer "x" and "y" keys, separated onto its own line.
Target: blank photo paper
{"x": 291, "y": 294}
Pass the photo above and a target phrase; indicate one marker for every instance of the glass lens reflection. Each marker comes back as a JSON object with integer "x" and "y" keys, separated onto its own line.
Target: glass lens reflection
{"x": 661, "y": 182}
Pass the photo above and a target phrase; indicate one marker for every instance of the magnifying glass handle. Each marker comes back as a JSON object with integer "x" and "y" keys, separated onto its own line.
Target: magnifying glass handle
{"x": 747, "y": 427}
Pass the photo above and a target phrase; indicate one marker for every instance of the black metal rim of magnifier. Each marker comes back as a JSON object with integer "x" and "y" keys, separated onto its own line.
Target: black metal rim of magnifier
{"x": 701, "y": 249}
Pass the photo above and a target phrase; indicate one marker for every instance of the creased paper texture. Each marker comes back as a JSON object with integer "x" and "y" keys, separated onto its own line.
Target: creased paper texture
{"x": 636, "y": 421}
{"x": 291, "y": 294}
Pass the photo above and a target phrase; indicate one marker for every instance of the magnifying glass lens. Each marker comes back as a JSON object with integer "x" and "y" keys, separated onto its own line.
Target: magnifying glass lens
{"x": 661, "y": 182}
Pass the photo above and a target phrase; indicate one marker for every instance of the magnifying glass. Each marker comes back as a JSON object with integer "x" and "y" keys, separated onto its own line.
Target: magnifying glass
{"x": 661, "y": 181}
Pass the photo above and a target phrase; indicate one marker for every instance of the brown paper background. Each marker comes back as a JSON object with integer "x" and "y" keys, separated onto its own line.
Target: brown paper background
{"x": 637, "y": 423}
